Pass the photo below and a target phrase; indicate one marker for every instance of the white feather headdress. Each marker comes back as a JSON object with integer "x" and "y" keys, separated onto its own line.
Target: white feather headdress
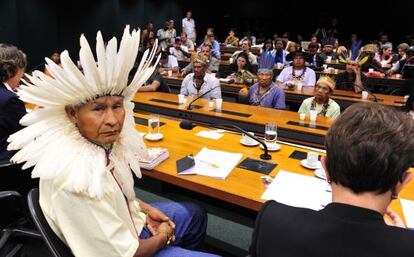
{"x": 53, "y": 144}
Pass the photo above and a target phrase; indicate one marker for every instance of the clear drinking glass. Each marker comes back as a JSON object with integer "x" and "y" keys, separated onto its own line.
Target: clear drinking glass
{"x": 270, "y": 133}
{"x": 153, "y": 124}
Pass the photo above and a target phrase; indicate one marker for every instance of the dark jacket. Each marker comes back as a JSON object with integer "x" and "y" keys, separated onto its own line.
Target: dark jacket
{"x": 11, "y": 111}
{"x": 338, "y": 230}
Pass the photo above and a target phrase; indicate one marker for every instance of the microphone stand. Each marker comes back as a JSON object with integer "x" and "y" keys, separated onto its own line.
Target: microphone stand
{"x": 185, "y": 124}
{"x": 190, "y": 107}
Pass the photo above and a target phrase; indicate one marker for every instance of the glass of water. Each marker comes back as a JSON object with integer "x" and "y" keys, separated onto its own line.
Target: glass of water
{"x": 153, "y": 124}
{"x": 270, "y": 133}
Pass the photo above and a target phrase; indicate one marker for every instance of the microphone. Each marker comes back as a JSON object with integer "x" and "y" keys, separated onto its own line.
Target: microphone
{"x": 189, "y": 107}
{"x": 188, "y": 125}
{"x": 363, "y": 89}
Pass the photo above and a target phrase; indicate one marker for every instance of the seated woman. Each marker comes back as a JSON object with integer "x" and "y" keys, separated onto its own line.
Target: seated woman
{"x": 265, "y": 92}
{"x": 268, "y": 47}
{"x": 385, "y": 57}
{"x": 369, "y": 150}
{"x": 243, "y": 71}
{"x": 322, "y": 102}
{"x": 231, "y": 39}
{"x": 12, "y": 65}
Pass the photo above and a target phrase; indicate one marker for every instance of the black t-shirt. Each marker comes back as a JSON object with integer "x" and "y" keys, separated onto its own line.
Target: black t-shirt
{"x": 163, "y": 86}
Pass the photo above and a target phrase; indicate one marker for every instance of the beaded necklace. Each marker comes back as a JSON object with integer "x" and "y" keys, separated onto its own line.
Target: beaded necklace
{"x": 324, "y": 107}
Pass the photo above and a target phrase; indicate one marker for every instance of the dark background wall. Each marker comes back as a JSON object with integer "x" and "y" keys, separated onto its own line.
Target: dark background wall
{"x": 40, "y": 26}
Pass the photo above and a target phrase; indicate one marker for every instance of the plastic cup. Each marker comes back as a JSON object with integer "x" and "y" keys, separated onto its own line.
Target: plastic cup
{"x": 312, "y": 115}
{"x": 181, "y": 99}
{"x": 398, "y": 76}
{"x": 211, "y": 104}
{"x": 364, "y": 95}
{"x": 312, "y": 158}
{"x": 371, "y": 70}
{"x": 219, "y": 101}
{"x": 302, "y": 116}
{"x": 248, "y": 140}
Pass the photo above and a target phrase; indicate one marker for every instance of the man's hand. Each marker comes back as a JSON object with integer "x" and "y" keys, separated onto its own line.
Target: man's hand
{"x": 155, "y": 218}
{"x": 392, "y": 219}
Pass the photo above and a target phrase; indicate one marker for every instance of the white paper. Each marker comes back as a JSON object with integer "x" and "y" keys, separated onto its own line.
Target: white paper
{"x": 408, "y": 210}
{"x": 299, "y": 191}
{"x": 209, "y": 134}
{"x": 206, "y": 159}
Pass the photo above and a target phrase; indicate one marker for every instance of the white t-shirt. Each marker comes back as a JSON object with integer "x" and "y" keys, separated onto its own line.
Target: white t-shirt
{"x": 91, "y": 227}
{"x": 189, "y": 27}
{"x": 308, "y": 78}
{"x": 172, "y": 62}
{"x": 177, "y": 53}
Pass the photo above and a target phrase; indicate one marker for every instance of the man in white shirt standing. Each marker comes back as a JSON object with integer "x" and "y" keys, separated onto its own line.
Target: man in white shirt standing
{"x": 189, "y": 26}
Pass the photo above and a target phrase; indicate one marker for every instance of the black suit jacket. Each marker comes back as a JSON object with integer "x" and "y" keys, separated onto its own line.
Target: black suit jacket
{"x": 338, "y": 230}
{"x": 11, "y": 111}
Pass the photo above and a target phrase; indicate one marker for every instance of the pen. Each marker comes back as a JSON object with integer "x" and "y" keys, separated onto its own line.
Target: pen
{"x": 205, "y": 162}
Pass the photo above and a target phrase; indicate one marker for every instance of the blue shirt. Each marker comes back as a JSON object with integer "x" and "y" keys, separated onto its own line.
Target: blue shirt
{"x": 274, "y": 98}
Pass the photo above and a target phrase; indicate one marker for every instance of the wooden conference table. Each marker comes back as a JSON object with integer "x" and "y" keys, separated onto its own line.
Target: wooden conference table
{"x": 242, "y": 187}
{"x": 343, "y": 97}
{"x": 251, "y": 118}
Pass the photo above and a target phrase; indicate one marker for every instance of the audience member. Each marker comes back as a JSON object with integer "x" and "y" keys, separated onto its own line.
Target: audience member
{"x": 231, "y": 39}
{"x": 280, "y": 52}
{"x": 316, "y": 62}
{"x": 386, "y": 57}
{"x": 384, "y": 40}
{"x": 213, "y": 63}
{"x": 328, "y": 53}
{"x": 249, "y": 37}
{"x": 189, "y": 27}
{"x": 155, "y": 83}
{"x": 369, "y": 150}
{"x": 298, "y": 73}
{"x": 243, "y": 71}
{"x": 268, "y": 47}
{"x": 166, "y": 35}
{"x": 55, "y": 57}
{"x": 351, "y": 79}
{"x": 200, "y": 81}
{"x": 245, "y": 48}
{"x": 168, "y": 62}
{"x": 178, "y": 50}
{"x": 355, "y": 46}
{"x": 321, "y": 102}
{"x": 187, "y": 42}
{"x": 265, "y": 92}
{"x": 214, "y": 45}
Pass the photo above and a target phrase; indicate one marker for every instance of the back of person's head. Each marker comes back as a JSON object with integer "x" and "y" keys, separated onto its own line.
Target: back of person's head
{"x": 164, "y": 55}
{"x": 11, "y": 60}
{"x": 313, "y": 45}
{"x": 369, "y": 148}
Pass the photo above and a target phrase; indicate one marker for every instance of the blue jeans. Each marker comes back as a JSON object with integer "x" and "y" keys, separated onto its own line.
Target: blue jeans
{"x": 190, "y": 229}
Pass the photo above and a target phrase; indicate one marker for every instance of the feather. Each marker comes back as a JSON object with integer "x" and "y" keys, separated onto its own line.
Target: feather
{"x": 364, "y": 60}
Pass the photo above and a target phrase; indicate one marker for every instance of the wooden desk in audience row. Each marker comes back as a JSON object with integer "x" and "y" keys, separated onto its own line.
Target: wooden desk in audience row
{"x": 342, "y": 97}
{"x": 250, "y": 118}
{"x": 242, "y": 187}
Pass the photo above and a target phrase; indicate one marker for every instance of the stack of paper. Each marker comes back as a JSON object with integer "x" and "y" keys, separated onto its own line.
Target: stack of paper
{"x": 299, "y": 191}
{"x": 212, "y": 163}
{"x": 408, "y": 210}
{"x": 156, "y": 156}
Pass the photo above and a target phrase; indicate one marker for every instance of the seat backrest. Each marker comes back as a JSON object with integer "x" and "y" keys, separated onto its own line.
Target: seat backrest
{"x": 55, "y": 245}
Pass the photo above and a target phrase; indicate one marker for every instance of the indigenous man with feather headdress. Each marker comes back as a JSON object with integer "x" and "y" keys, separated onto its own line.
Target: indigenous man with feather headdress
{"x": 84, "y": 148}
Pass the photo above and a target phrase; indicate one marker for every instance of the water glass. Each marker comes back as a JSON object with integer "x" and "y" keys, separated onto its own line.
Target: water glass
{"x": 153, "y": 124}
{"x": 270, "y": 133}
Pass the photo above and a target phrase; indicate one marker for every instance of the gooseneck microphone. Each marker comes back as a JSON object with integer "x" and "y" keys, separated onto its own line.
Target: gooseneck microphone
{"x": 362, "y": 88}
{"x": 190, "y": 107}
{"x": 188, "y": 125}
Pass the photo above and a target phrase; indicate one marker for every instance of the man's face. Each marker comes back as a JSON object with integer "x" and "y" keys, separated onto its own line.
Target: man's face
{"x": 199, "y": 70}
{"x": 171, "y": 24}
{"x": 183, "y": 37}
{"x": 298, "y": 62}
{"x": 352, "y": 67}
{"x": 279, "y": 45}
{"x": 328, "y": 49}
{"x": 206, "y": 52}
{"x": 401, "y": 52}
{"x": 353, "y": 37}
{"x": 188, "y": 15}
{"x": 100, "y": 120}
{"x": 264, "y": 78}
{"x": 55, "y": 57}
{"x": 384, "y": 38}
{"x": 245, "y": 46}
{"x": 312, "y": 50}
{"x": 322, "y": 92}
